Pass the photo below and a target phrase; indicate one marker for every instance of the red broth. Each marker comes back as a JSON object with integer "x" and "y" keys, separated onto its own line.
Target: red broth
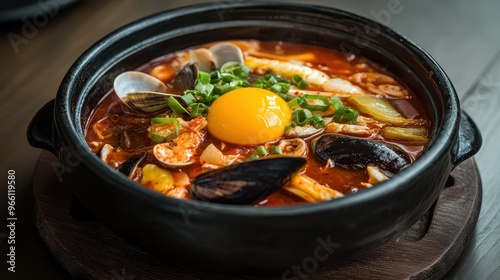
{"x": 114, "y": 123}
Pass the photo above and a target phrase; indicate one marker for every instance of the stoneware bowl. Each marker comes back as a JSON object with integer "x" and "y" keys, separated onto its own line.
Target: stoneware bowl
{"x": 244, "y": 238}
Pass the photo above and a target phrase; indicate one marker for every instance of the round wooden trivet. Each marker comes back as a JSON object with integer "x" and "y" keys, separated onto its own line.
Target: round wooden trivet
{"x": 89, "y": 250}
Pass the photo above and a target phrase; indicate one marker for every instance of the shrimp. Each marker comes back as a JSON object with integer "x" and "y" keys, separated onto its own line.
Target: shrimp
{"x": 364, "y": 127}
{"x": 379, "y": 84}
{"x": 177, "y": 153}
{"x": 310, "y": 75}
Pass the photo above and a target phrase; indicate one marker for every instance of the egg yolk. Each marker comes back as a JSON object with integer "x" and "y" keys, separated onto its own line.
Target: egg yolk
{"x": 248, "y": 116}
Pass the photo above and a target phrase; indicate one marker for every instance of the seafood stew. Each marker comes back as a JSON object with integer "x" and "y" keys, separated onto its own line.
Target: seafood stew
{"x": 260, "y": 123}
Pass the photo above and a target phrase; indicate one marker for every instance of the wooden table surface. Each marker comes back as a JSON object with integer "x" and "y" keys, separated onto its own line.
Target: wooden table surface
{"x": 463, "y": 36}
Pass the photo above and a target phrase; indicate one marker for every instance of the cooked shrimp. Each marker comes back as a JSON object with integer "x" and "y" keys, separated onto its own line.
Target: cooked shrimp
{"x": 379, "y": 84}
{"x": 364, "y": 127}
{"x": 310, "y": 75}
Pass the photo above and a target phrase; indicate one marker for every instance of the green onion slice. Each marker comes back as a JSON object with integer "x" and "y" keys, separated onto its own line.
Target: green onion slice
{"x": 316, "y": 107}
{"x": 298, "y": 81}
{"x": 188, "y": 98}
{"x": 275, "y": 150}
{"x": 204, "y": 77}
{"x": 300, "y": 116}
{"x": 346, "y": 115}
{"x": 173, "y": 134}
{"x": 259, "y": 152}
{"x": 297, "y": 102}
{"x": 336, "y": 102}
{"x": 176, "y": 106}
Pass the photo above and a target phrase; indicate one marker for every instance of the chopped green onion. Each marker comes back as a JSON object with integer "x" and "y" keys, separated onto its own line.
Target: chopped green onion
{"x": 162, "y": 120}
{"x": 275, "y": 150}
{"x": 195, "y": 107}
{"x": 346, "y": 115}
{"x": 204, "y": 77}
{"x": 276, "y": 84}
{"x": 297, "y": 102}
{"x": 317, "y": 121}
{"x": 260, "y": 151}
{"x": 157, "y": 123}
{"x": 301, "y": 116}
{"x": 176, "y": 106}
{"x": 316, "y": 107}
{"x": 188, "y": 98}
{"x": 235, "y": 68}
{"x": 298, "y": 81}
{"x": 290, "y": 126}
{"x": 336, "y": 102}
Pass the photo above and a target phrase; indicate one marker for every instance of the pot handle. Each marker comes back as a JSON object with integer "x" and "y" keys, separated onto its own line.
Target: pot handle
{"x": 469, "y": 140}
{"x": 41, "y": 129}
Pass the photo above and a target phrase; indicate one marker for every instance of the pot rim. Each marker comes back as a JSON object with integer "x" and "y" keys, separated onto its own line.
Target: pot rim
{"x": 71, "y": 139}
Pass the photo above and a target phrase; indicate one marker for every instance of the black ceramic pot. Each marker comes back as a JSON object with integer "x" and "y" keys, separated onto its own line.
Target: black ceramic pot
{"x": 244, "y": 238}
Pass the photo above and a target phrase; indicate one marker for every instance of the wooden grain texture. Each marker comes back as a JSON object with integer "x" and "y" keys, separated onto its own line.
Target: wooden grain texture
{"x": 463, "y": 36}
{"x": 482, "y": 103}
{"x": 428, "y": 250}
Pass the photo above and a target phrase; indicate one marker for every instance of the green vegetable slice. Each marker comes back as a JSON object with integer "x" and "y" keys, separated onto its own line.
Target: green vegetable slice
{"x": 299, "y": 82}
{"x": 275, "y": 150}
{"x": 381, "y": 109}
{"x": 316, "y": 107}
{"x": 259, "y": 152}
{"x": 164, "y": 129}
{"x": 176, "y": 106}
{"x": 415, "y": 135}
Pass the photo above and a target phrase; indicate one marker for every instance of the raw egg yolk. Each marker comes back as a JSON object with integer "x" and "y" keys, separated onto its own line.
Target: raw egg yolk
{"x": 248, "y": 116}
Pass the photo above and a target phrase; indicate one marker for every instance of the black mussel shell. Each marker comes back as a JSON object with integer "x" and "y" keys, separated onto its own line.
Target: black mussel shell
{"x": 246, "y": 182}
{"x": 129, "y": 165}
{"x": 357, "y": 153}
{"x": 186, "y": 78}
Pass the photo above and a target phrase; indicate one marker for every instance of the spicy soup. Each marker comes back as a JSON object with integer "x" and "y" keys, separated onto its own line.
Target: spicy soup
{"x": 238, "y": 103}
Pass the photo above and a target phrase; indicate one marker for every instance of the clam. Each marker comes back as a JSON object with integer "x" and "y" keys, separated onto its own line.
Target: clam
{"x": 203, "y": 58}
{"x": 225, "y": 52}
{"x": 140, "y": 91}
{"x": 213, "y": 58}
{"x": 105, "y": 151}
{"x": 246, "y": 182}
{"x": 358, "y": 153}
{"x": 186, "y": 78}
{"x": 148, "y": 94}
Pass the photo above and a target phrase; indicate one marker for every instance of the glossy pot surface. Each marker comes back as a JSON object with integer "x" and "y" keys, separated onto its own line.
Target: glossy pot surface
{"x": 244, "y": 238}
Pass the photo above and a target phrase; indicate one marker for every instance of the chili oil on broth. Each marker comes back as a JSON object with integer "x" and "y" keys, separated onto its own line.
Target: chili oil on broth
{"x": 115, "y": 124}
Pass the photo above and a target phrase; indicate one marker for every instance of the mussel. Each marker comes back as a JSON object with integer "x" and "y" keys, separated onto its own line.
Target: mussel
{"x": 186, "y": 78}
{"x": 358, "y": 153}
{"x": 246, "y": 182}
{"x": 129, "y": 166}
